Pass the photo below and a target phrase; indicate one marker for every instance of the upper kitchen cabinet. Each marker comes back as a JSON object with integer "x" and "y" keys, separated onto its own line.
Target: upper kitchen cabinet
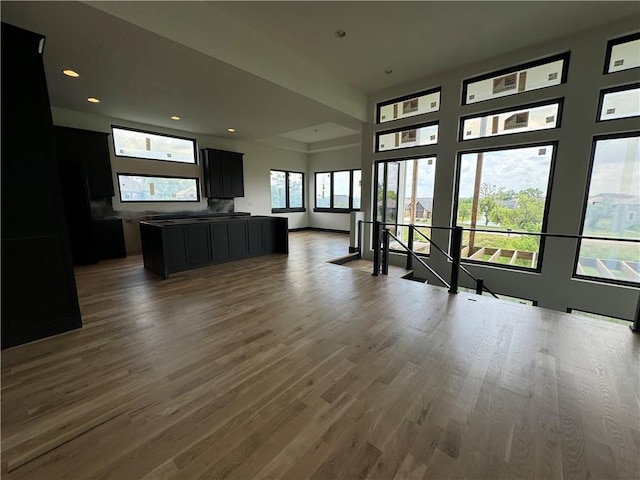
{"x": 91, "y": 149}
{"x": 223, "y": 173}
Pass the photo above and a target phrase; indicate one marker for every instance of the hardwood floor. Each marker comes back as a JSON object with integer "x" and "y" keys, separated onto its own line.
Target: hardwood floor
{"x": 292, "y": 367}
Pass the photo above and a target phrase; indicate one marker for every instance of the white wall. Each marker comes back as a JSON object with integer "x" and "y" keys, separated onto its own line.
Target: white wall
{"x": 338, "y": 159}
{"x": 258, "y": 160}
{"x": 553, "y": 287}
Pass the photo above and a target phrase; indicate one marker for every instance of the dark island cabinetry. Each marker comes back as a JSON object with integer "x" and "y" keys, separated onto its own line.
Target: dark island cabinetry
{"x": 223, "y": 173}
{"x": 170, "y": 246}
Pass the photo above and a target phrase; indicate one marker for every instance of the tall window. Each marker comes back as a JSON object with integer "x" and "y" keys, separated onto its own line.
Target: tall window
{"x": 612, "y": 212}
{"x": 405, "y": 196}
{"x": 128, "y": 142}
{"x": 287, "y": 191}
{"x": 338, "y": 191}
{"x": 504, "y": 192}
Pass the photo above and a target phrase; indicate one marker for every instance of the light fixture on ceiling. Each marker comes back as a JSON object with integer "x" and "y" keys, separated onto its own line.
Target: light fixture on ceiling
{"x": 231, "y": 130}
{"x": 175, "y": 117}
{"x": 388, "y": 71}
{"x": 93, "y": 100}
{"x": 340, "y": 33}
{"x": 71, "y": 73}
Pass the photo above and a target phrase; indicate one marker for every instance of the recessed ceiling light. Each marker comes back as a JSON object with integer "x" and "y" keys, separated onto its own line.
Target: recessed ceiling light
{"x": 231, "y": 130}
{"x": 175, "y": 117}
{"x": 71, "y": 73}
{"x": 341, "y": 33}
{"x": 388, "y": 71}
{"x": 93, "y": 100}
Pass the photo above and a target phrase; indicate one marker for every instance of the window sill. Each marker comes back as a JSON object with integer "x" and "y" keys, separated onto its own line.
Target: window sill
{"x": 335, "y": 210}
{"x": 287, "y": 210}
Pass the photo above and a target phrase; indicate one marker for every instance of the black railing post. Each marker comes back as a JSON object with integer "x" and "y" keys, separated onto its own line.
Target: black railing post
{"x": 479, "y": 286}
{"x": 410, "y": 245}
{"x": 359, "y": 242}
{"x": 376, "y": 248}
{"x": 456, "y": 245}
{"x": 385, "y": 251}
{"x": 635, "y": 327}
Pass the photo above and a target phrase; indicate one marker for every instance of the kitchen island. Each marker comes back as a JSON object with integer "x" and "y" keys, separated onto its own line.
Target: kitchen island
{"x": 179, "y": 244}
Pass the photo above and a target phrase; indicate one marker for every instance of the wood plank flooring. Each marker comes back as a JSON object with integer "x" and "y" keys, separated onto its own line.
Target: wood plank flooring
{"x": 292, "y": 367}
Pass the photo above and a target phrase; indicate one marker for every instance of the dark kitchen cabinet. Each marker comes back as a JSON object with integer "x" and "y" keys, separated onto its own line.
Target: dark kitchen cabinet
{"x": 175, "y": 248}
{"x": 85, "y": 175}
{"x": 238, "y": 244}
{"x": 170, "y": 246}
{"x": 39, "y": 296}
{"x": 92, "y": 150}
{"x": 108, "y": 235}
{"x": 223, "y": 173}
{"x": 198, "y": 245}
{"x": 219, "y": 241}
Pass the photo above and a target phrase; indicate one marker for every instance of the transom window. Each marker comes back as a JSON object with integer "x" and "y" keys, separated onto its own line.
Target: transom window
{"x": 503, "y": 122}
{"x": 619, "y": 102}
{"x": 623, "y": 54}
{"x": 409, "y": 106}
{"x": 523, "y": 78}
{"x": 415, "y": 136}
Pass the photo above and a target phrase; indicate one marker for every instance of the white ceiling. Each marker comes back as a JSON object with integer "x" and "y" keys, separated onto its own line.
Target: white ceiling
{"x": 275, "y": 70}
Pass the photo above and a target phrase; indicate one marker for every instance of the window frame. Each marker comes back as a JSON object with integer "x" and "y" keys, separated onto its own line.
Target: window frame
{"x": 542, "y": 103}
{"x": 197, "y": 179}
{"x": 565, "y": 57}
{"x": 545, "y": 216}
{"x": 612, "y": 43}
{"x": 288, "y": 209}
{"x": 137, "y": 130}
{"x": 618, "y": 88}
{"x": 331, "y": 208}
{"x": 404, "y": 98}
{"x": 585, "y": 201}
{"x": 416, "y": 126}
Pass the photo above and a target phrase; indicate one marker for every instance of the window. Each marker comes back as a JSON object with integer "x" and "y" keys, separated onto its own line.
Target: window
{"x": 152, "y": 146}
{"x": 532, "y": 76}
{"x": 611, "y": 212}
{"x": 619, "y": 102}
{"x": 505, "y": 192}
{"x": 405, "y": 196}
{"x": 503, "y": 122}
{"x": 135, "y": 187}
{"x": 623, "y": 54}
{"x": 409, "y": 106}
{"x": 408, "y": 137}
{"x": 287, "y": 191}
{"x": 338, "y": 191}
